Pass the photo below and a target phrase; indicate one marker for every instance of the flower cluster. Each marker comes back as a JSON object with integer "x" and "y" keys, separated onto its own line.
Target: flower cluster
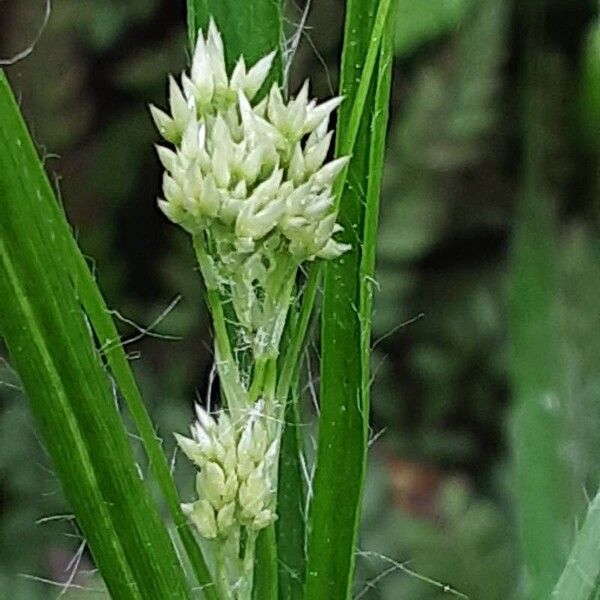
{"x": 246, "y": 174}
{"x": 248, "y": 171}
{"x": 234, "y": 483}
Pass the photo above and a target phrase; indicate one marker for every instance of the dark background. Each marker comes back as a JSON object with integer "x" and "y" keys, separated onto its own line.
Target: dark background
{"x": 440, "y": 489}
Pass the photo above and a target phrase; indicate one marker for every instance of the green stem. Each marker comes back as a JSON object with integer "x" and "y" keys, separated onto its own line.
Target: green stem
{"x": 292, "y": 355}
{"x": 229, "y": 375}
{"x": 266, "y": 583}
{"x": 270, "y": 379}
{"x": 258, "y": 379}
{"x": 248, "y": 565}
{"x": 222, "y": 579}
{"x": 277, "y": 303}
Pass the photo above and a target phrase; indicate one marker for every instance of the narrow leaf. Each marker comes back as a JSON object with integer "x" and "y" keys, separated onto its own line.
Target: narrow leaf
{"x": 544, "y": 487}
{"x": 580, "y": 579}
{"x": 291, "y": 496}
{"x": 91, "y": 299}
{"x": 345, "y": 373}
{"x": 70, "y": 394}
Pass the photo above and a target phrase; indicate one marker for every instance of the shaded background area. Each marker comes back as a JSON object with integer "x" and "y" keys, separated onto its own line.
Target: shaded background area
{"x": 440, "y": 495}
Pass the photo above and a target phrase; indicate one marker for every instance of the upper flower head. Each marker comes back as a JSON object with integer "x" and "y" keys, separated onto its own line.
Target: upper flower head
{"x": 245, "y": 169}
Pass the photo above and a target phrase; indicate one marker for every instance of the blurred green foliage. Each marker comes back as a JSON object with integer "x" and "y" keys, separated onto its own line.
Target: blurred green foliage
{"x": 453, "y": 170}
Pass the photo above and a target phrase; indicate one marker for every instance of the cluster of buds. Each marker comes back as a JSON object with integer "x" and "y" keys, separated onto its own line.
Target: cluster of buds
{"x": 235, "y": 483}
{"x": 246, "y": 174}
{"x": 244, "y": 169}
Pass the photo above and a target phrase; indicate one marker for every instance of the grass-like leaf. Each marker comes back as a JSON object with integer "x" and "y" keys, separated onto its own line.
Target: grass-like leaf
{"x": 291, "y": 496}
{"x": 544, "y": 488}
{"x": 580, "y": 579}
{"x": 52, "y": 348}
{"x": 346, "y": 320}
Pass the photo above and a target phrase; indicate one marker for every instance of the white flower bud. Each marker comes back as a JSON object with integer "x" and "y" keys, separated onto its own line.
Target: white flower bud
{"x": 238, "y": 76}
{"x": 165, "y": 124}
{"x": 276, "y": 109}
{"x": 203, "y": 517}
{"x": 179, "y": 106}
{"x": 316, "y": 153}
{"x": 297, "y": 167}
{"x": 327, "y": 174}
{"x": 252, "y": 493}
{"x": 333, "y": 249}
{"x": 214, "y": 47}
{"x": 225, "y": 431}
{"x": 257, "y": 74}
{"x": 229, "y": 461}
{"x": 296, "y": 114}
{"x": 240, "y": 192}
{"x": 231, "y": 486}
{"x": 258, "y": 444}
{"x": 315, "y": 115}
{"x": 204, "y": 440}
{"x": 172, "y": 190}
{"x": 260, "y": 109}
{"x": 255, "y": 224}
{"x": 226, "y": 518}
{"x": 261, "y": 211}
{"x": 324, "y": 230}
{"x": 220, "y": 169}
{"x": 172, "y": 212}
{"x": 271, "y": 455}
{"x": 204, "y": 419}
{"x": 191, "y": 449}
{"x": 252, "y": 164}
{"x": 319, "y": 206}
{"x": 167, "y": 157}
{"x": 211, "y": 483}
{"x": 202, "y": 77}
{"x": 245, "y": 464}
{"x": 230, "y": 209}
{"x": 263, "y": 519}
{"x": 210, "y": 198}
{"x": 193, "y": 141}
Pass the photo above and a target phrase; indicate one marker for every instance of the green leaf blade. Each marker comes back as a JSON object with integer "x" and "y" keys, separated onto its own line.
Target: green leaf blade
{"x": 580, "y": 579}
{"x": 545, "y": 487}
{"x": 345, "y": 372}
{"x": 291, "y": 494}
{"x": 69, "y": 391}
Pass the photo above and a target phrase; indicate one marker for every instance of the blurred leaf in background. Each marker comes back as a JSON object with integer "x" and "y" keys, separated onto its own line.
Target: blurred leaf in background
{"x": 444, "y": 198}
{"x": 421, "y": 22}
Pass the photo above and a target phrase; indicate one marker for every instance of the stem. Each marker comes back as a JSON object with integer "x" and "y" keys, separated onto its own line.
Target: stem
{"x": 229, "y": 375}
{"x": 266, "y": 582}
{"x": 258, "y": 379}
{"x": 281, "y": 311}
{"x": 292, "y": 355}
{"x": 221, "y": 568}
{"x": 277, "y": 302}
{"x": 248, "y": 565}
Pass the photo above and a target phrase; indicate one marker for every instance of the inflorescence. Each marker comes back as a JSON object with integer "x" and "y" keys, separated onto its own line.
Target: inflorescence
{"x": 246, "y": 174}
